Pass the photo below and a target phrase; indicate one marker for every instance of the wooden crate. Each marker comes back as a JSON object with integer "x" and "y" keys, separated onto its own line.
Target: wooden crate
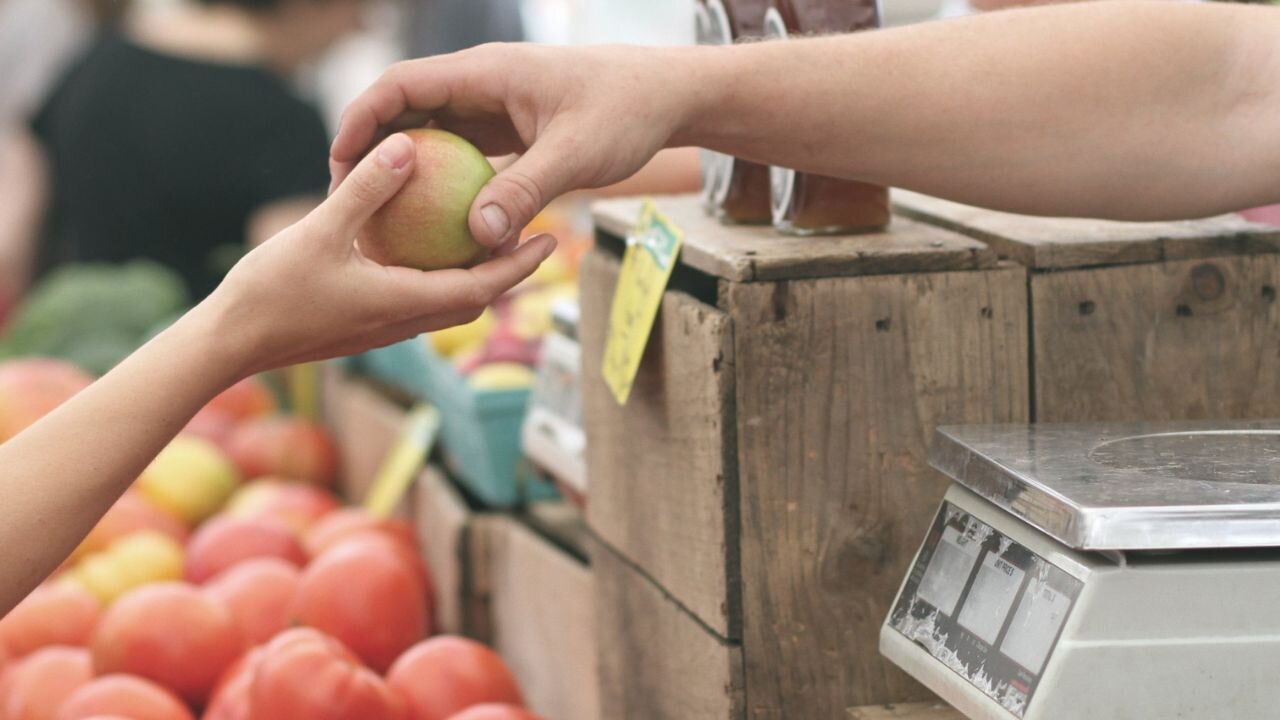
{"x": 543, "y": 615}
{"x": 768, "y": 479}
{"x": 1140, "y": 321}
{"x": 456, "y": 541}
{"x": 366, "y": 421}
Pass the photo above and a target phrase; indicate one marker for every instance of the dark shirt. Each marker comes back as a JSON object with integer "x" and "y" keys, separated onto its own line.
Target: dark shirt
{"x": 165, "y": 158}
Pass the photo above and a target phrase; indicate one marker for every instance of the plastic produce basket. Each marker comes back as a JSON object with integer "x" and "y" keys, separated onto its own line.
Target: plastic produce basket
{"x": 480, "y": 436}
{"x": 404, "y": 365}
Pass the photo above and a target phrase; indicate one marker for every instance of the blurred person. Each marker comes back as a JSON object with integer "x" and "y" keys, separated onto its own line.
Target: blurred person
{"x": 438, "y": 27}
{"x": 175, "y": 138}
{"x": 306, "y": 294}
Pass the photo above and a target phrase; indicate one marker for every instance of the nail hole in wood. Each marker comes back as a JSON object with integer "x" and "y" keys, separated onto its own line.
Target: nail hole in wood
{"x": 882, "y": 325}
{"x": 987, "y": 313}
{"x": 1268, "y": 293}
{"x": 1087, "y": 307}
{"x": 1183, "y": 311}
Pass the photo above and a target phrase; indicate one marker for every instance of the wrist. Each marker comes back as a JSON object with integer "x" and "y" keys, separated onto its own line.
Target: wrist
{"x": 211, "y": 332}
{"x": 705, "y": 86}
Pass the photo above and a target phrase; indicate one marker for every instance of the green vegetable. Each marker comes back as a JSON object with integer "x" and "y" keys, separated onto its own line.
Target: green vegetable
{"x": 94, "y": 315}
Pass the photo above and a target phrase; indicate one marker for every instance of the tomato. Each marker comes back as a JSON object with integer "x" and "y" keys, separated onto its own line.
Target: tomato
{"x": 495, "y": 711}
{"x": 284, "y": 447}
{"x": 259, "y": 593}
{"x": 224, "y": 541}
{"x": 230, "y": 699}
{"x": 250, "y": 398}
{"x": 343, "y": 524}
{"x": 31, "y": 389}
{"x": 295, "y": 504}
{"x": 129, "y": 515}
{"x": 170, "y": 633}
{"x": 50, "y": 615}
{"x": 363, "y": 593}
{"x": 446, "y": 675}
{"x": 36, "y": 687}
{"x": 304, "y": 675}
{"x": 124, "y": 695}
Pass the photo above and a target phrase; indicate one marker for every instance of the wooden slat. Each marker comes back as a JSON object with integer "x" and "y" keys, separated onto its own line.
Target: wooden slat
{"x": 544, "y": 622}
{"x": 1186, "y": 340}
{"x": 656, "y": 661}
{"x": 661, "y": 467}
{"x": 1056, "y": 243}
{"x": 454, "y": 541}
{"x": 912, "y": 711}
{"x": 369, "y": 426}
{"x": 840, "y": 386}
{"x": 746, "y": 254}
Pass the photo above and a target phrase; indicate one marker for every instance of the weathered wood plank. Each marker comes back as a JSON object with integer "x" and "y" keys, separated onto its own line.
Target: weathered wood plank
{"x": 745, "y": 254}
{"x": 913, "y": 711}
{"x": 661, "y": 467}
{"x": 544, "y": 622}
{"x": 1197, "y": 339}
{"x": 656, "y": 661}
{"x": 454, "y": 542}
{"x": 840, "y": 386}
{"x": 368, "y": 427}
{"x": 1044, "y": 243}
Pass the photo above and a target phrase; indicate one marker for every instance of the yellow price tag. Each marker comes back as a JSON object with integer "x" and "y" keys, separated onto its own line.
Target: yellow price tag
{"x": 652, "y": 248}
{"x": 402, "y": 464}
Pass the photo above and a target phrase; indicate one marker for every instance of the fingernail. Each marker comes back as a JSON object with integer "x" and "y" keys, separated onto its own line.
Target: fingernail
{"x": 395, "y": 151}
{"x": 549, "y": 247}
{"x": 495, "y": 218}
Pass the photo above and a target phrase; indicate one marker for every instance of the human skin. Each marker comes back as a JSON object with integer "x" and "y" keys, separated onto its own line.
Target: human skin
{"x": 304, "y": 295}
{"x": 1132, "y": 110}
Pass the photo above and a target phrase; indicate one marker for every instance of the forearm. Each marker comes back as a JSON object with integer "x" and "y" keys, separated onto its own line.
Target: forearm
{"x": 59, "y": 477}
{"x": 1124, "y": 110}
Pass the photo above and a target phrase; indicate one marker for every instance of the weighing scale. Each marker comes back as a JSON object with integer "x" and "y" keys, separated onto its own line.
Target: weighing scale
{"x": 552, "y": 436}
{"x": 1105, "y": 572}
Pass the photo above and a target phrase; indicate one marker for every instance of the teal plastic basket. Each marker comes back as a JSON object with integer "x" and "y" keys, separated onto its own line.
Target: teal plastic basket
{"x": 404, "y": 365}
{"x": 480, "y": 437}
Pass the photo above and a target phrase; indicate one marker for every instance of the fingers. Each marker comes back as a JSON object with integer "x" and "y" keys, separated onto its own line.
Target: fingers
{"x": 512, "y": 198}
{"x": 373, "y": 182}
{"x": 450, "y": 291}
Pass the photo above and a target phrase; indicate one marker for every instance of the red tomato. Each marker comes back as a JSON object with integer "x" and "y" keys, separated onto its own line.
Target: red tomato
{"x": 285, "y": 447}
{"x": 304, "y": 675}
{"x": 250, "y": 398}
{"x": 495, "y": 711}
{"x": 342, "y": 524}
{"x": 259, "y": 593}
{"x": 363, "y": 593}
{"x": 446, "y": 675}
{"x": 170, "y": 633}
{"x": 295, "y": 504}
{"x": 212, "y": 425}
{"x": 32, "y": 388}
{"x": 230, "y": 699}
{"x": 224, "y": 541}
{"x": 50, "y": 615}
{"x": 36, "y": 687}
{"x": 124, "y": 695}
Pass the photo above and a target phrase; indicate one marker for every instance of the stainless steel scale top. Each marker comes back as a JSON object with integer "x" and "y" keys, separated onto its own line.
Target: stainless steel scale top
{"x": 1141, "y": 486}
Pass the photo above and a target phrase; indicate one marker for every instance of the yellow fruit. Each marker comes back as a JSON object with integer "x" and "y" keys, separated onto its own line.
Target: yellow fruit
{"x": 553, "y": 271}
{"x": 191, "y": 479}
{"x": 137, "y": 560}
{"x": 531, "y": 310}
{"x": 501, "y": 376}
{"x": 449, "y": 341}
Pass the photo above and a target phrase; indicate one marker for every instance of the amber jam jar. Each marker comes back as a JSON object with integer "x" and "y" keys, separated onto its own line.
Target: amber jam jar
{"x": 807, "y": 204}
{"x": 734, "y": 190}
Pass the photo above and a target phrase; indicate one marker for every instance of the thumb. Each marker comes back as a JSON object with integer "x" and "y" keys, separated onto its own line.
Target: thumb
{"x": 514, "y": 196}
{"x": 373, "y": 182}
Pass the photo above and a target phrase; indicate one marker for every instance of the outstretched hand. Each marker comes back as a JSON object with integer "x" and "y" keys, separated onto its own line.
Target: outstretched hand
{"x": 308, "y": 293}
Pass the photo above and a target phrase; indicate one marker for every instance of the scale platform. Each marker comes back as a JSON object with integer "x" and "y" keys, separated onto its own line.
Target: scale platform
{"x": 1108, "y": 572}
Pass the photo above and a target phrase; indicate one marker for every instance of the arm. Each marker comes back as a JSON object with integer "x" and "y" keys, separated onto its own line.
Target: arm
{"x": 304, "y": 295}
{"x": 1135, "y": 110}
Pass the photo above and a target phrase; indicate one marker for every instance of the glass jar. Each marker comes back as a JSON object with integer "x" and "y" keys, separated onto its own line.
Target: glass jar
{"x": 804, "y": 203}
{"x": 734, "y": 190}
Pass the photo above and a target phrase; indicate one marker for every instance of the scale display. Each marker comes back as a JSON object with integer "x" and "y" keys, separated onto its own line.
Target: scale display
{"x": 984, "y": 606}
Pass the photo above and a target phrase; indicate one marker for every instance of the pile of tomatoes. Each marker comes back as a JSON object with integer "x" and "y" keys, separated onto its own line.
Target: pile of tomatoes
{"x": 279, "y": 605}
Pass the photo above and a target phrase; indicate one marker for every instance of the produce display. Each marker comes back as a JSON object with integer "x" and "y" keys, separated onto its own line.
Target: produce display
{"x": 229, "y": 583}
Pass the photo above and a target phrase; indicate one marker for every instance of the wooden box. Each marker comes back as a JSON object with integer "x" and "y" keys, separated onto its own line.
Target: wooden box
{"x": 456, "y": 541}
{"x": 543, "y": 612}
{"x": 366, "y": 421}
{"x": 759, "y": 498}
{"x": 1140, "y": 321}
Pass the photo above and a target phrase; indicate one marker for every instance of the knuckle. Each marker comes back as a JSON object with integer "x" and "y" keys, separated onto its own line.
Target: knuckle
{"x": 524, "y": 192}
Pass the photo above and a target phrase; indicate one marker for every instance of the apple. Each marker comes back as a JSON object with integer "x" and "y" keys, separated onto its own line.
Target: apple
{"x": 139, "y": 559}
{"x": 450, "y": 341}
{"x": 295, "y": 504}
{"x": 30, "y": 389}
{"x": 425, "y": 226}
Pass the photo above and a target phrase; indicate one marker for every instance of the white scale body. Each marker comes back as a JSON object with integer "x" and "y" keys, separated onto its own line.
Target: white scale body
{"x": 1117, "y": 572}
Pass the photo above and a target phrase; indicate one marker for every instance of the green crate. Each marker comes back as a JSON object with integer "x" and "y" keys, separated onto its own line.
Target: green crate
{"x": 480, "y": 437}
{"x": 404, "y": 365}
